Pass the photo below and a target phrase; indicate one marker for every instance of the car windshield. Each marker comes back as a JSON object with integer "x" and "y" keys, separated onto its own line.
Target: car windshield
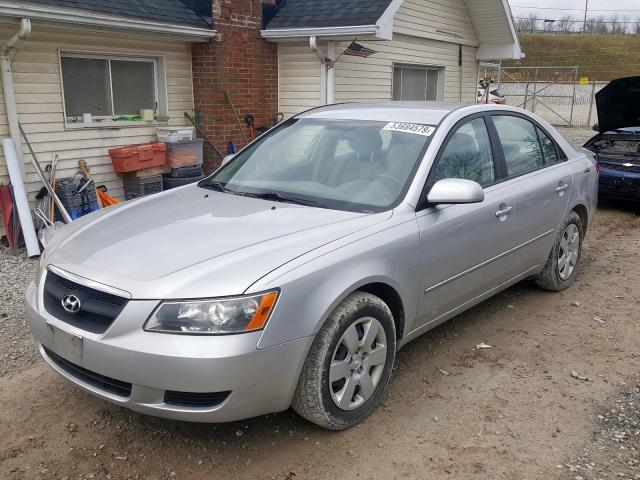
{"x": 350, "y": 165}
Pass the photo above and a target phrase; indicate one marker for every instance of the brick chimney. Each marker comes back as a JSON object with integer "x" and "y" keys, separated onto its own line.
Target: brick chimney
{"x": 240, "y": 62}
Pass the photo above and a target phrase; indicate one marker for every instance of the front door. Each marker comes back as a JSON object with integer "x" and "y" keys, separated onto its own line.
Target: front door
{"x": 465, "y": 248}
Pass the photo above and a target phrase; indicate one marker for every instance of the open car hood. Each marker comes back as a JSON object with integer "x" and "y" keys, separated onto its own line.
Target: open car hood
{"x": 619, "y": 104}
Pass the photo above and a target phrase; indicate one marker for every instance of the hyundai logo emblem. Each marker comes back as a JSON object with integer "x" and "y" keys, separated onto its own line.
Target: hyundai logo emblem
{"x": 71, "y": 303}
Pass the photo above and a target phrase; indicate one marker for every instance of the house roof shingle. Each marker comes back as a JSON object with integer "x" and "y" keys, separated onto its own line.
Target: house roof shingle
{"x": 327, "y": 13}
{"x": 169, "y": 11}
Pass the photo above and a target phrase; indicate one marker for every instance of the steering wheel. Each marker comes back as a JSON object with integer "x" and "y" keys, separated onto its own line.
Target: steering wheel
{"x": 387, "y": 180}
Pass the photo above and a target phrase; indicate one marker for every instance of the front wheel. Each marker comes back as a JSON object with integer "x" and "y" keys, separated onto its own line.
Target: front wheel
{"x": 560, "y": 270}
{"x": 349, "y": 364}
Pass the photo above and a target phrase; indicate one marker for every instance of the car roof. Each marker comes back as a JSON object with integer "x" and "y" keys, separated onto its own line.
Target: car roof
{"x": 430, "y": 113}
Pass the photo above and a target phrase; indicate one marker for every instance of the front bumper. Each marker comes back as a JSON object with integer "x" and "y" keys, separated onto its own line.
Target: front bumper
{"x": 259, "y": 381}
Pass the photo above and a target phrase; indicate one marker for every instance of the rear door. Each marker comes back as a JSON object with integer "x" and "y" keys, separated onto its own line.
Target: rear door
{"x": 540, "y": 179}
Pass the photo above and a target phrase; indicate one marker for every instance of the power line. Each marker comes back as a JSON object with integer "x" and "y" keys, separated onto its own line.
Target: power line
{"x": 578, "y": 9}
{"x": 577, "y": 21}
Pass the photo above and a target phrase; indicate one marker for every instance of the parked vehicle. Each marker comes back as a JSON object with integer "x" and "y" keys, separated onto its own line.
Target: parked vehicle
{"x": 617, "y": 145}
{"x": 495, "y": 95}
{"x": 292, "y": 275}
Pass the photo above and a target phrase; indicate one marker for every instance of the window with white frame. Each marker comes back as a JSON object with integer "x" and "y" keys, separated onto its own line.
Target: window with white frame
{"x": 109, "y": 87}
{"x": 416, "y": 82}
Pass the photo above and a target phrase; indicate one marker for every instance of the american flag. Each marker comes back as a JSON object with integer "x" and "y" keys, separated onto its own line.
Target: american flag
{"x": 357, "y": 50}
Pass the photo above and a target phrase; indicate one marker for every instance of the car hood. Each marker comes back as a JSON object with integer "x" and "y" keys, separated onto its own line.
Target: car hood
{"x": 190, "y": 242}
{"x": 619, "y": 104}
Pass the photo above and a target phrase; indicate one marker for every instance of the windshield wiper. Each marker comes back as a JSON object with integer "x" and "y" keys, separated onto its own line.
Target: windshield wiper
{"x": 280, "y": 197}
{"x": 219, "y": 187}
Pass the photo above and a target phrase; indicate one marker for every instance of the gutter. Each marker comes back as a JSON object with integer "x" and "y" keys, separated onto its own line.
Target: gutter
{"x": 97, "y": 19}
{"x": 321, "y": 32}
{"x": 9, "y": 93}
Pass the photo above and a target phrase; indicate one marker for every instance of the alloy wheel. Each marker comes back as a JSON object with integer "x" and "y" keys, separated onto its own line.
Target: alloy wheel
{"x": 568, "y": 251}
{"x": 357, "y": 363}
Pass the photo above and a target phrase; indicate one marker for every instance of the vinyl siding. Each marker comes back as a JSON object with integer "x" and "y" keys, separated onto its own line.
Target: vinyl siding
{"x": 39, "y": 100}
{"x": 426, "y": 32}
{"x": 371, "y": 79}
{"x": 446, "y": 20}
{"x": 299, "y": 78}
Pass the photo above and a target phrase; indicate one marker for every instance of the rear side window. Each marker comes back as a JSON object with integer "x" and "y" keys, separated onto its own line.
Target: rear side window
{"x": 549, "y": 148}
{"x": 519, "y": 139}
{"x": 467, "y": 155}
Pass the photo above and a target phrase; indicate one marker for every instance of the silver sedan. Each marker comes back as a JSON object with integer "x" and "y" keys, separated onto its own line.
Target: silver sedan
{"x": 294, "y": 273}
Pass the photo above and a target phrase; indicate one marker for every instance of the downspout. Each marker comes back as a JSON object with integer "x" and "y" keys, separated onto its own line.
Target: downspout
{"x": 327, "y": 79}
{"x": 9, "y": 93}
{"x": 460, "y": 76}
{"x": 331, "y": 72}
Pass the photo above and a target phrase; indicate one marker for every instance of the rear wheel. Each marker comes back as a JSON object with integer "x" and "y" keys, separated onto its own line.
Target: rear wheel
{"x": 560, "y": 269}
{"x": 349, "y": 364}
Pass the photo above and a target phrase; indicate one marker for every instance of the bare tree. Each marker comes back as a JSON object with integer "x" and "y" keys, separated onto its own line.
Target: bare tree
{"x": 613, "y": 25}
{"x": 566, "y": 24}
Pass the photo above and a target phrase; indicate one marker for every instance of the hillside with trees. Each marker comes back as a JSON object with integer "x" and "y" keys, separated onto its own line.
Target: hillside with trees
{"x": 600, "y": 56}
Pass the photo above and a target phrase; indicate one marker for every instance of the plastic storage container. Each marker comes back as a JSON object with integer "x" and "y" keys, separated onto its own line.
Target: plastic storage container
{"x": 183, "y": 154}
{"x": 136, "y": 187}
{"x": 175, "y": 134}
{"x": 137, "y": 157}
{"x": 76, "y": 204}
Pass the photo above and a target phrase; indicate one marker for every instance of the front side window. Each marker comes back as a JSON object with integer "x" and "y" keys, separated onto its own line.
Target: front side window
{"x": 351, "y": 165}
{"x": 519, "y": 139}
{"x": 415, "y": 83}
{"x": 108, "y": 87}
{"x": 467, "y": 155}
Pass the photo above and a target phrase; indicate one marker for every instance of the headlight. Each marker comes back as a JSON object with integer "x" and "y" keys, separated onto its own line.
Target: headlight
{"x": 217, "y": 316}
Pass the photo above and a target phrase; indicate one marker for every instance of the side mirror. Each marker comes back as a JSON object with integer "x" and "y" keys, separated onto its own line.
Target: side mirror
{"x": 455, "y": 190}
{"x": 596, "y": 127}
{"x": 226, "y": 159}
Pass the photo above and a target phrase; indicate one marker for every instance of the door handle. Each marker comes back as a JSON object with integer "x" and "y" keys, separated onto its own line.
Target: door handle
{"x": 562, "y": 187}
{"x": 503, "y": 212}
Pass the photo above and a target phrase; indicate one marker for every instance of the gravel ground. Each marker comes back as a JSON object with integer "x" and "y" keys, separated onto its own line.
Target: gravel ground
{"x": 17, "y": 350}
{"x": 556, "y": 397}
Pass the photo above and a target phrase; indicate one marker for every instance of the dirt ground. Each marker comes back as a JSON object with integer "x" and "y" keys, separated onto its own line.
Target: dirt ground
{"x": 513, "y": 411}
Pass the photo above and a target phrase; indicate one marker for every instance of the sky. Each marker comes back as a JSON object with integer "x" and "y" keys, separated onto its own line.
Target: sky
{"x": 555, "y": 9}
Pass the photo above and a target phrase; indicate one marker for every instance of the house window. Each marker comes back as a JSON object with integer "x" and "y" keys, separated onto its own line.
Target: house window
{"x": 416, "y": 83}
{"x": 110, "y": 88}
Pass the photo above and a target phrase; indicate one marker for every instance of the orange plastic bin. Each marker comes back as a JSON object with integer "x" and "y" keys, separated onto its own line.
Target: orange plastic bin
{"x": 137, "y": 157}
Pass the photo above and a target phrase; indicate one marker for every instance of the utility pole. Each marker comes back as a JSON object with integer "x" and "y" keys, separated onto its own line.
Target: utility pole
{"x": 586, "y": 11}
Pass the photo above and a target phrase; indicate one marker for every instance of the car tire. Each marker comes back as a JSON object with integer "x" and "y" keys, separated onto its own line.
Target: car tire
{"x": 170, "y": 182}
{"x": 319, "y": 394}
{"x": 559, "y": 272}
{"x": 186, "y": 172}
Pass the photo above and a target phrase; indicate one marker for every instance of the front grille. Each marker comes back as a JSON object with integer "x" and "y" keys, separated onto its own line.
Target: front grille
{"x": 189, "y": 399}
{"x": 619, "y": 189}
{"x": 111, "y": 385}
{"x": 99, "y": 309}
{"x": 620, "y": 167}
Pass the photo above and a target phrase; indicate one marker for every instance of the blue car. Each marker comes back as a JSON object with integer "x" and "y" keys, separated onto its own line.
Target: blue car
{"x": 617, "y": 145}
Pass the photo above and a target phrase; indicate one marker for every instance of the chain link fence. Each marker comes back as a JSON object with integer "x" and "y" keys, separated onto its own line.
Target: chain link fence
{"x": 557, "y": 94}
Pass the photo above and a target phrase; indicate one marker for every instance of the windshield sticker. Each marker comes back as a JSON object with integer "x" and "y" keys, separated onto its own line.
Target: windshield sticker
{"x": 415, "y": 128}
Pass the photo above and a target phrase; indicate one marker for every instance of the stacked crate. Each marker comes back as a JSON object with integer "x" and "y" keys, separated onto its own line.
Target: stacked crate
{"x": 141, "y": 167}
{"x": 184, "y": 156}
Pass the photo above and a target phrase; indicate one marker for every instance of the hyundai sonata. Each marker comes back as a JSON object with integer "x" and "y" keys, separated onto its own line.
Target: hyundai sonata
{"x": 294, "y": 273}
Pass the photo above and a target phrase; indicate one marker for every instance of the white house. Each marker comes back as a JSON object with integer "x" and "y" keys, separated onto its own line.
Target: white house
{"x": 426, "y": 49}
{"x": 108, "y": 58}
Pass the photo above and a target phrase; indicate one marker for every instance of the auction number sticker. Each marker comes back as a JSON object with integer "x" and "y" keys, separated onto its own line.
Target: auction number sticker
{"x": 415, "y": 128}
